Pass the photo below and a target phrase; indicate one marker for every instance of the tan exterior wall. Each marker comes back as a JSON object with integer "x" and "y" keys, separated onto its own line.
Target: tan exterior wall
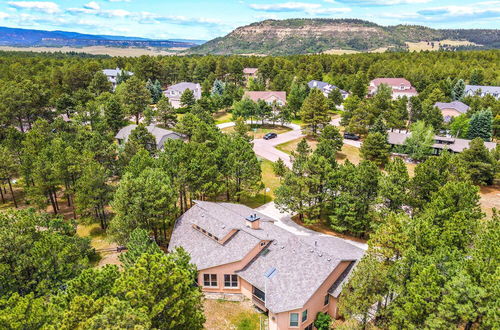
{"x": 315, "y": 305}
{"x": 450, "y": 113}
{"x": 230, "y": 268}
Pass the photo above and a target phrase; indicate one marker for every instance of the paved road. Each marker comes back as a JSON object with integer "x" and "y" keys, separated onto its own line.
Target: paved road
{"x": 285, "y": 221}
{"x": 267, "y": 148}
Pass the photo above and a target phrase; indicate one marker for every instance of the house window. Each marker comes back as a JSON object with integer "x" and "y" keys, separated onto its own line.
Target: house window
{"x": 304, "y": 316}
{"x": 327, "y": 300}
{"x": 210, "y": 280}
{"x": 230, "y": 281}
{"x": 294, "y": 319}
{"x": 309, "y": 327}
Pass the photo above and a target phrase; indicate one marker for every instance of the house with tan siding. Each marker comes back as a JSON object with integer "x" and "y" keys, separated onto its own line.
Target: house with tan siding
{"x": 241, "y": 252}
{"x": 452, "y": 109}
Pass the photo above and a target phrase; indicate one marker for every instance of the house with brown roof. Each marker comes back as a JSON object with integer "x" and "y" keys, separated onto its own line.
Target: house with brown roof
{"x": 451, "y": 109}
{"x": 243, "y": 253}
{"x": 268, "y": 96}
{"x": 400, "y": 87}
{"x": 250, "y": 73}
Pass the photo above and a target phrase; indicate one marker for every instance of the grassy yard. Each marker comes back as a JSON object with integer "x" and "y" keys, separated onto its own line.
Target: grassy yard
{"x": 99, "y": 240}
{"x": 222, "y": 117}
{"x": 229, "y": 315}
{"x": 270, "y": 180}
{"x": 258, "y": 131}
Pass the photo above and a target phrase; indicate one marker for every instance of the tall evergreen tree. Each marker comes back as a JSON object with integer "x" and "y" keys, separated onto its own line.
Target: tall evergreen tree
{"x": 480, "y": 125}
{"x": 314, "y": 111}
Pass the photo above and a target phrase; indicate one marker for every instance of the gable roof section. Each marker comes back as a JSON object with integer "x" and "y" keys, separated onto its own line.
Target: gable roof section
{"x": 324, "y": 87}
{"x": 159, "y": 133}
{"x": 264, "y": 95}
{"x": 457, "y": 105}
{"x": 250, "y": 70}
{"x": 453, "y": 144}
{"x": 391, "y": 82}
{"x": 484, "y": 89}
{"x": 181, "y": 87}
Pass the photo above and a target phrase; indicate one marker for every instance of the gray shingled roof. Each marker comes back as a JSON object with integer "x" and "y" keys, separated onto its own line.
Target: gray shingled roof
{"x": 457, "y": 105}
{"x": 454, "y": 144}
{"x": 494, "y": 90}
{"x": 159, "y": 133}
{"x": 324, "y": 87}
{"x": 181, "y": 87}
{"x": 302, "y": 262}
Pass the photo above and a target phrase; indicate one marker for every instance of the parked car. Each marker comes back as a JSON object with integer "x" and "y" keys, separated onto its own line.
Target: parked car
{"x": 270, "y": 136}
{"x": 351, "y": 136}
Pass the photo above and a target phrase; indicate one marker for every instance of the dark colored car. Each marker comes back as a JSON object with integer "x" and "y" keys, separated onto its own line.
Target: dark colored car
{"x": 350, "y": 136}
{"x": 270, "y": 136}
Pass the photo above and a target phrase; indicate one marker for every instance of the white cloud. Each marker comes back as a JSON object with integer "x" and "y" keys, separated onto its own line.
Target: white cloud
{"x": 42, "y": 6}
{"x": 380, "y": 2}
{"x": 92, "y": 5}
{"x": 3, "y": 15}
{"x": 308, "y": 8}
{"x": 286, "y": 7}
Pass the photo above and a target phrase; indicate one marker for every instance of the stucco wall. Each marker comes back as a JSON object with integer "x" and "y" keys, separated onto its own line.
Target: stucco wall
{"x": 230, "y": 268}
{"x": 450, "y": 113}
{"x": 314, "y": 305}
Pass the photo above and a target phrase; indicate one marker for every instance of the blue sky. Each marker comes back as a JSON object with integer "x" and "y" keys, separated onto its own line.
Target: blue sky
{"x": 164, "y": 19}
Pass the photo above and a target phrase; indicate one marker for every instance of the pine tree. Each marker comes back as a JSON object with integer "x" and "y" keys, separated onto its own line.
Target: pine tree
{"x": 394, "y": 185}
{"x": 166, "y": 113}
{"x": 419, "y": 145}
{"x": 296, "y": 97}
{"x": 217, "y": 88}
{"x": 314, "y": 111}
{"x": 335, "y": 98}
{"x": 360, "y": 85}
{"x": 134, "y": 96}
{"x": 376, "y": 148}
{"x": 479, "y": 162}
{"x": 458, "y": 90}
{"x": 480, "y": 125}
{"x": 187, "y": 99}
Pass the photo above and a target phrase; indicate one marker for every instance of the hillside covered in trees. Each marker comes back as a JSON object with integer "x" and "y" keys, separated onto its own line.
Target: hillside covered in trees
{"x": 305, "y": 36}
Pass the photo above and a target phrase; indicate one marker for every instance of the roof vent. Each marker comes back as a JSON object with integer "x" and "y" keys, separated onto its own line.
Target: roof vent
{"x": 329, "y": 259}
{"x": 252, "y": 217}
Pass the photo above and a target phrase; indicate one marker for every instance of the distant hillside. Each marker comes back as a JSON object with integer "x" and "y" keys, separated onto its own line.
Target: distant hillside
{"x": 304, "y": 36}
{"x": 38, "y": 38}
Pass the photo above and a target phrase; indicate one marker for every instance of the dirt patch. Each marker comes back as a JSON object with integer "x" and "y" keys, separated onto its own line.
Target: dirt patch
{"x": 229, "y": 315}
{"x": 490, "y": 198}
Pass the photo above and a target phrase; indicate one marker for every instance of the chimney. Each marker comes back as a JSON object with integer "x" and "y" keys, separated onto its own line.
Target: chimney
{"x": 253, "y": 221}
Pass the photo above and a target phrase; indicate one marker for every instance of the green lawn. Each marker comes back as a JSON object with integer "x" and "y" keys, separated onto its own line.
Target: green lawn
{"x": 258, "y": 131}
{"x": 270, "y": 180}
{"x": 347, "y": 152}
{"x": 222, "y": 117}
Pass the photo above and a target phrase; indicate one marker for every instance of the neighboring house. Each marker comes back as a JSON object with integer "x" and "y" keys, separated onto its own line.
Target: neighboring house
{"x": 250, "y": 73}
{"x": 441, "y": 143}
{"x": 160, "y": 134}
{"x": 269, "y": 96}
{"x": 400, "y": 87}
{"x": 239, "y": 251}
{"x": 175, "y": 92}
{"x": 471, "y": 90}
{"x": 452, "y": 109}
{"x": 112, "y": 75}
{"x": 326, "y": 88}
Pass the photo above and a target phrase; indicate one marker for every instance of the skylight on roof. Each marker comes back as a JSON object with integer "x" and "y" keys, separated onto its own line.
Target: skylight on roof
{"x": 270, "y": 272}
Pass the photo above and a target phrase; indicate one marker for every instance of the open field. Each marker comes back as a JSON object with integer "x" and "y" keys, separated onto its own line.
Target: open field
{"x": 97, "y": 50}
{"x": 350, "y": 51}
{"x": 230, "y": 315}
{"x": 424, "y": 45}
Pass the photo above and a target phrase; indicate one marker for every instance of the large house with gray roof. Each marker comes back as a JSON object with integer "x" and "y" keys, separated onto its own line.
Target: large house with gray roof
{"x": 455, "y": 145}
{"x": 161, "y": 135}
{"x": 471, "y": 90}
{"x": 241, "y": 252}
{"x": 113, "y": 74}
{"x": 175, "y": 92}
{"x": 326, "y": 88}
